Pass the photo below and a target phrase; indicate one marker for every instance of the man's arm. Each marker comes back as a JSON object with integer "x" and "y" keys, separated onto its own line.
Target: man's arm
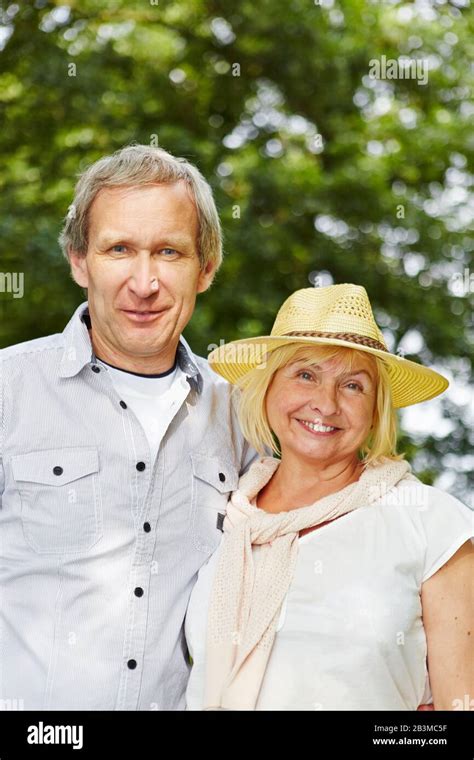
{"x": 448, "y": 617}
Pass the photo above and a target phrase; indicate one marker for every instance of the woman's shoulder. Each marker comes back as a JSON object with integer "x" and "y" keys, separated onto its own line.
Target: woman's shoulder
{"x": 442, "y": 521}
{"x": 412, "y": 492}
{"x": 431, "y": 511}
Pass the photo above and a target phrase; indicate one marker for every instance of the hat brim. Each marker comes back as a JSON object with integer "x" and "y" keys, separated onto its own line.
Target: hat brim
{"x": 411, "y": 383}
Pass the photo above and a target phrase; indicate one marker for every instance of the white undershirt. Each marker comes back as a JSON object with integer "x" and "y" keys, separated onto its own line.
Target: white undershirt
{"x": 154, "y": 399}
{"x": 350, "y": 634}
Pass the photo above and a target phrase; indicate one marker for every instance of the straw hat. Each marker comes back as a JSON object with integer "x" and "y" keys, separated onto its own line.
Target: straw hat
{"x": 337, "y": 315}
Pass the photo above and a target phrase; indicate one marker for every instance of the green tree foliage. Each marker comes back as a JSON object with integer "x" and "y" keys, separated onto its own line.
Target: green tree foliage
{"x": 319, "y": 168}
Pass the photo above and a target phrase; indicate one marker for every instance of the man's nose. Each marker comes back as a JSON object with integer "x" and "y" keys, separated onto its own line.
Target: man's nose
{"x": 324, "y": 400}
{"x": 144, "y": 279}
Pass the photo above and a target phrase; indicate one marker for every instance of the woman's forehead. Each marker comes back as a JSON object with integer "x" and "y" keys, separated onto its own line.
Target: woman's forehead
{"x": 342, "y": 361}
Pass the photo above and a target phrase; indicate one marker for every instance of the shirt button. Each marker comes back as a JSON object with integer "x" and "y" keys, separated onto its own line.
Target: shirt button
{"x": 146, "y": 527}
{"x": 58, "y": 470}
{"x": 95, "y": 368}
{"x": 140, "y": 466}
{"x": 132, "y": 664}
{"x": 138, "y": 591}
{"x": 123, "y": 404}
{"x": 221, "y": 477}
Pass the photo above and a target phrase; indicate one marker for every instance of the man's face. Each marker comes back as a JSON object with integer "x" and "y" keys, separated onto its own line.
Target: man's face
{"x": 137, "y": 234}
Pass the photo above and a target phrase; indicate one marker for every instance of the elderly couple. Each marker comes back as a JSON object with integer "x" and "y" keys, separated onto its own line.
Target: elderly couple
{"x": 231, "y": 534}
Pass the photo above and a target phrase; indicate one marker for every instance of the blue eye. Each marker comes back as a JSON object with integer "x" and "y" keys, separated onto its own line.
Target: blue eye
{"x": 114, "y": 248}
{"x": 172, "y": 251}
{"x": 304, "y": 372}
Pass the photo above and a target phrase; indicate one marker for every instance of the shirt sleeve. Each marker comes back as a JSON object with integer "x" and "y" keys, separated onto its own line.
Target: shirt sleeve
{"x": 447, "y": 524}
{"x": 249, "y": 455}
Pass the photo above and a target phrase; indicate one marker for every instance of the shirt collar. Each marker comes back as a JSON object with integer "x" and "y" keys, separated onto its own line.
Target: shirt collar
{"x": 78, "y": 350}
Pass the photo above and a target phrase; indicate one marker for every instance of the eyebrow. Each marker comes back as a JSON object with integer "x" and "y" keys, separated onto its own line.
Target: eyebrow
{"x": 345, "y": 374}
{"x": 110, "y": 239}
{"x": 360, "y": 372}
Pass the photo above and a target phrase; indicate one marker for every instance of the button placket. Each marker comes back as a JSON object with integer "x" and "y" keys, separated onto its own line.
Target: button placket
{"x": 151, "y": 496}
{"x": 142, "y": 477}
{"x": 140, "y": 486}
{"x": 135, "y": 638}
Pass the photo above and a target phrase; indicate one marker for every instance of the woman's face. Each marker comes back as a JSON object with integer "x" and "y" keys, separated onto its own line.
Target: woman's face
{"x": 321, "y": 411}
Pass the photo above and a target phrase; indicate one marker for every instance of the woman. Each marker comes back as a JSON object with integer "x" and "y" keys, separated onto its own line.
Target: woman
{"x": 340, "y": 576}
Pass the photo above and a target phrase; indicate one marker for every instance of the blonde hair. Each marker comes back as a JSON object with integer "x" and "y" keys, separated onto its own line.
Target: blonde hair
{"x": 143, "y": 165}
{"x": 382, "y": 439}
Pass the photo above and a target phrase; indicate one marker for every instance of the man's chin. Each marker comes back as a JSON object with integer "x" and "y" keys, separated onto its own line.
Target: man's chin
{"x": 138, "y": 356}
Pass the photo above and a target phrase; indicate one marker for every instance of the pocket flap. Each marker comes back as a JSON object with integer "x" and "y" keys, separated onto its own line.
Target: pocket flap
{"x": 219, "y": 473}
{"x": 55, "y": 467}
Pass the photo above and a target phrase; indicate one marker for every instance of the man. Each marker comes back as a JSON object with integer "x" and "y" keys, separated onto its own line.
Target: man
{"x": 119, "y": 448}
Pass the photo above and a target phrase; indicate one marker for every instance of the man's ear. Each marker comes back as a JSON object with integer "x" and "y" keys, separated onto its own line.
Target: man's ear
{"x": 206, "y": 277}
{"x": 79, "y": 271}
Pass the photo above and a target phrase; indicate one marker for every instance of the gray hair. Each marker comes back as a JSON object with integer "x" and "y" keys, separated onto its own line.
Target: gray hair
{"x": 142, "y": 165}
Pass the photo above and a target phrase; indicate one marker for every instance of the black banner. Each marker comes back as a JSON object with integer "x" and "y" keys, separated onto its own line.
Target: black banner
{"x": 108, "y": 734}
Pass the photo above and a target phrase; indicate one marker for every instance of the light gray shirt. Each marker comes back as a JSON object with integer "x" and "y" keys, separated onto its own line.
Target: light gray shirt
{"x": 99, "y": 545}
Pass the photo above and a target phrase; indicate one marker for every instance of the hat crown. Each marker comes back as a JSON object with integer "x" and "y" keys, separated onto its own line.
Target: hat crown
{"x": 343, "y": 308}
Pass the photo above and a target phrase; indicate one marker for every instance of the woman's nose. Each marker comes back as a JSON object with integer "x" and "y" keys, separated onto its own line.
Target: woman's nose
{"x": 324, "y": 400}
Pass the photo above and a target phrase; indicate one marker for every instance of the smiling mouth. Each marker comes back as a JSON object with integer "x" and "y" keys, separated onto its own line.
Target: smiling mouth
{"x": 318, "y": 427}
{"x": 142, "y": 315}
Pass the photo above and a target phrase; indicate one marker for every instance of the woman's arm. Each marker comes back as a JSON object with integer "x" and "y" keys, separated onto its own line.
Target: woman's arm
{"x": 448, "y": 616}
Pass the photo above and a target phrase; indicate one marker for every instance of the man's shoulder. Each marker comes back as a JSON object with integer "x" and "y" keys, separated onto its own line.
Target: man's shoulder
{"x": 34, "y": 346}
{"x": 216, "y": 385}
{"x": 208, "y": 374}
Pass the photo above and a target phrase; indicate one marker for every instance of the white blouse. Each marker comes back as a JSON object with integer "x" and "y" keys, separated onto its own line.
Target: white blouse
{"x": 350, "y": 634}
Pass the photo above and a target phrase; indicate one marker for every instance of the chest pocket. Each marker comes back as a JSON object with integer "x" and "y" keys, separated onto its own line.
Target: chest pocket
{"x": 214, "y": 479}
{"x": 60, "y": 498}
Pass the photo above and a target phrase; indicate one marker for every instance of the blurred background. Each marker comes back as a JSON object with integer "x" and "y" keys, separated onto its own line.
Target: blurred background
{"x": 337, "y": 137}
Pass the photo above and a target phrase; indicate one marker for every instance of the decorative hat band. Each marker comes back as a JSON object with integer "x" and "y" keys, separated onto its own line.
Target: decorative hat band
{"x": 361, "y": 340}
